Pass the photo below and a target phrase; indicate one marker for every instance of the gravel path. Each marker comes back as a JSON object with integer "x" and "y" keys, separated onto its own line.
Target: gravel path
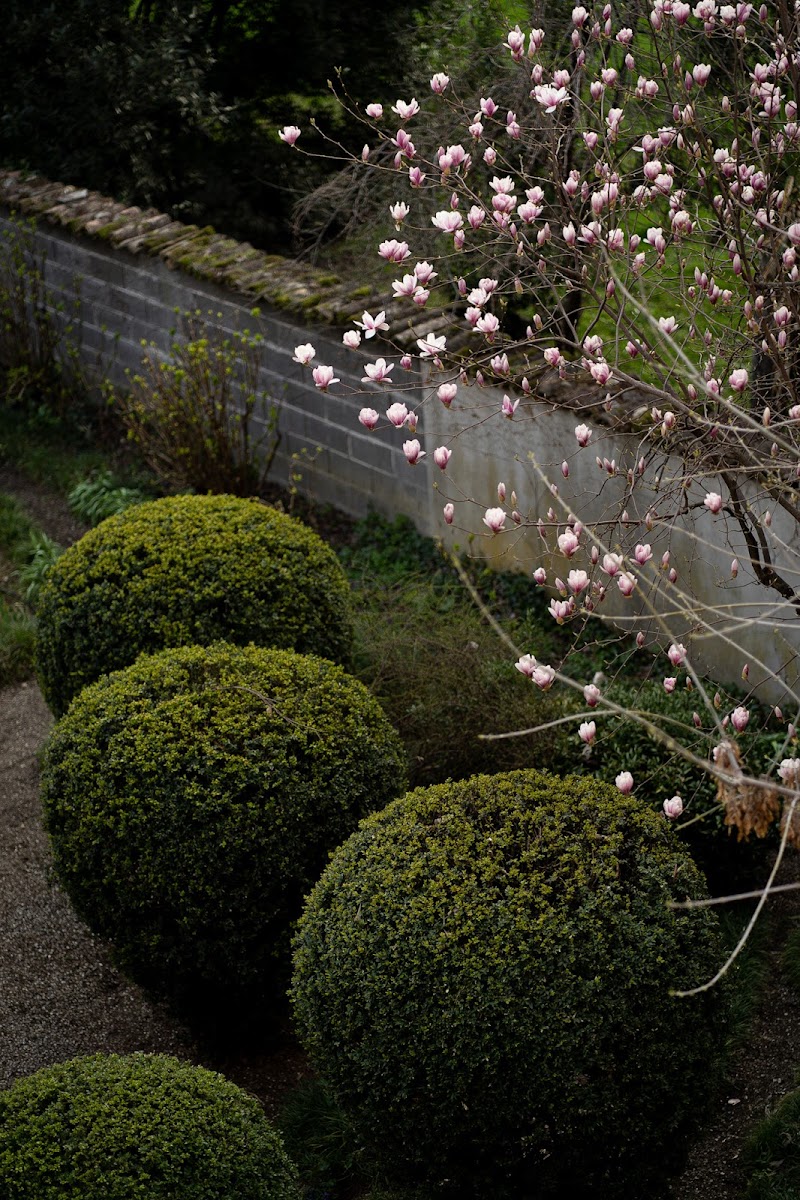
{"x": 59, "y": 994}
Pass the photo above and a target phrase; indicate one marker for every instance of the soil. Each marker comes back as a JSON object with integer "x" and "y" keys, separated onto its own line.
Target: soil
{"x": 60, "y": 994}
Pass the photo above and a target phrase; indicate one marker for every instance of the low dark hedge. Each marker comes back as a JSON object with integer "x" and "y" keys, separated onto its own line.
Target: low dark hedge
{"x": 483, "y": 975}
{"x": 140, "y": 1127}
{"x": 192, "y": 800}
{"x": 659, "y": 772}
{"x": 771, "y": 1156}
{"x": 188, "y": 570}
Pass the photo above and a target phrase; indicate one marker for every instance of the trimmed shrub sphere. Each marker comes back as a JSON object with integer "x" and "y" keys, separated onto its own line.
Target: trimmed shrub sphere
{"x": 483, "y": 975}
{"x": 193, "y": 798}
{"x": 140, "y": 1127}
{"x": 187, "y": 570}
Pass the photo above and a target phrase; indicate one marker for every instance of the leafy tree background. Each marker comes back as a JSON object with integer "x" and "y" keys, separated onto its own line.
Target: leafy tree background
{"x": 175, "y": 104}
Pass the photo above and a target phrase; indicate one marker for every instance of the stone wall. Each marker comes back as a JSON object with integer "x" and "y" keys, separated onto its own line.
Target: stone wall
{"x": 134, "y": 271}
{"x": 121, "y": 277}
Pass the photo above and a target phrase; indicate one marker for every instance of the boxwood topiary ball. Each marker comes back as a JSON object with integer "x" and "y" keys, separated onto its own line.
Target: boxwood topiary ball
{"x": 483, "y": 976}
{"x": 187, "y": 570}
{"x": 139, "y": 1127}
{"x": 192, "y": 800}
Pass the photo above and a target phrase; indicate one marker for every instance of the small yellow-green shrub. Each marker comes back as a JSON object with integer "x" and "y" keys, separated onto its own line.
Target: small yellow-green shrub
{"x": 139, "y": 1127}
{"x": 187, "y": 570}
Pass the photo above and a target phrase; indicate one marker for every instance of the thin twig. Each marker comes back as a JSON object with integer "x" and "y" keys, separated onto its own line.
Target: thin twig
{"x": 734, "y": 954}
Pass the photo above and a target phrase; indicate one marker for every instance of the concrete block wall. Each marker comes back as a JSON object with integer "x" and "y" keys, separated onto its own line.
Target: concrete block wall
{"x": 114, "y": 301}
{"x": 132, "y": 270}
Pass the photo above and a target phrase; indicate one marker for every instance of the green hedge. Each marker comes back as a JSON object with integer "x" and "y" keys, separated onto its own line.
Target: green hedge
{"x": 141, "y": 1127}
{"x": 483, "y": 975}
{"x": 188, "y": 570}
{"x": 192, "y": 800}
{"x": 659, "y": 772}
{"x": 771, "y": 1156}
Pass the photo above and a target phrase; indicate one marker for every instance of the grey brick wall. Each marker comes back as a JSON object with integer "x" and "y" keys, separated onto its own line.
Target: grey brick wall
{"x": 114, "y": 301}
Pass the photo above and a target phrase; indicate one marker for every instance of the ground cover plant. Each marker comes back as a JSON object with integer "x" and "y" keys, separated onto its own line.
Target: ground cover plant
{"x": 481, "y": 976}
{"x": 772, "y": 1155}
{"x": 137, "y": 1127}
{"x": 26, "y": 554}
{"x": 184, "y": 570}
{"x": 191, "y": 801}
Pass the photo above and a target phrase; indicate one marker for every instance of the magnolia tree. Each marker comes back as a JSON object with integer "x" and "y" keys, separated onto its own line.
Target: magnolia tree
{"x": 629, "y": 227}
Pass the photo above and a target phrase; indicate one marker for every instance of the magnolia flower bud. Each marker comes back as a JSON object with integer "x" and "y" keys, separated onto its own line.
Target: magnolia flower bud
{"x": 673, "y": 808}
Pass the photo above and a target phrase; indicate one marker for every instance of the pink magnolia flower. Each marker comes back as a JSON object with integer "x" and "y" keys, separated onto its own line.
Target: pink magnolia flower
{"x": 669, "y": 684}
{"x": 378, "y": 371}
{"x": 368, "y": 418}
{"x": 448, "y": 221}
{"x": 543, "y": 676}
{"x": 372, "y": 325}
{"x": 553, "y": 357}
{"x": 526, "y": 665}
{"x": 449, "y": 512}
{"x": 398, "y": 212}
{"x": 583, "y": 435}
{"x": 488, "y": 324}
{"x": 676, "y": 653}
{"x": 324, "y": 377}
{"x": 289, "y": 134}
{"x": 396, "y": 414}
{"x": 591, "y": 694}
{"x": 509, "y": 407}
{"x": 624, "y": 782}
{"x": 739, "y": 719}
{"x": 394, "y": 251}
{"x": 441, "y": 456}
{"x": 413, "y": 452}
{"x": 739, "y": 379}
{"x": 431, "y": 346}
{"x": 446, "y": 392}
{"x": 540, "y": 575}
{"x": 352, "y": 339}
{"x": 424, "y": 273}
{"x": 406, "y": 286}
{"x": 439, "y": 82}
{"x": 713, "y": 502}
{"x": 405, "y": 110}
{"x": 578, "y": 581}
{"x": 673, "y": 808}
{"x": 375, "y": 111}
{"x": 789, "y": 772}
{"x": 549, "y": 97}
{"x": 560, "y": 610}
{"x": 643, "y": 553}
{"x": 494, "y": 519}
{"x": 587, "y": 732}
{"x": 612, "y": 564}
{"x": 416, "y": 177}
{"x": 626, "y": 583}
{"x": 600, "y": 372}
{"x": 303, "y": 354}
{"x": 567, "y": 543}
